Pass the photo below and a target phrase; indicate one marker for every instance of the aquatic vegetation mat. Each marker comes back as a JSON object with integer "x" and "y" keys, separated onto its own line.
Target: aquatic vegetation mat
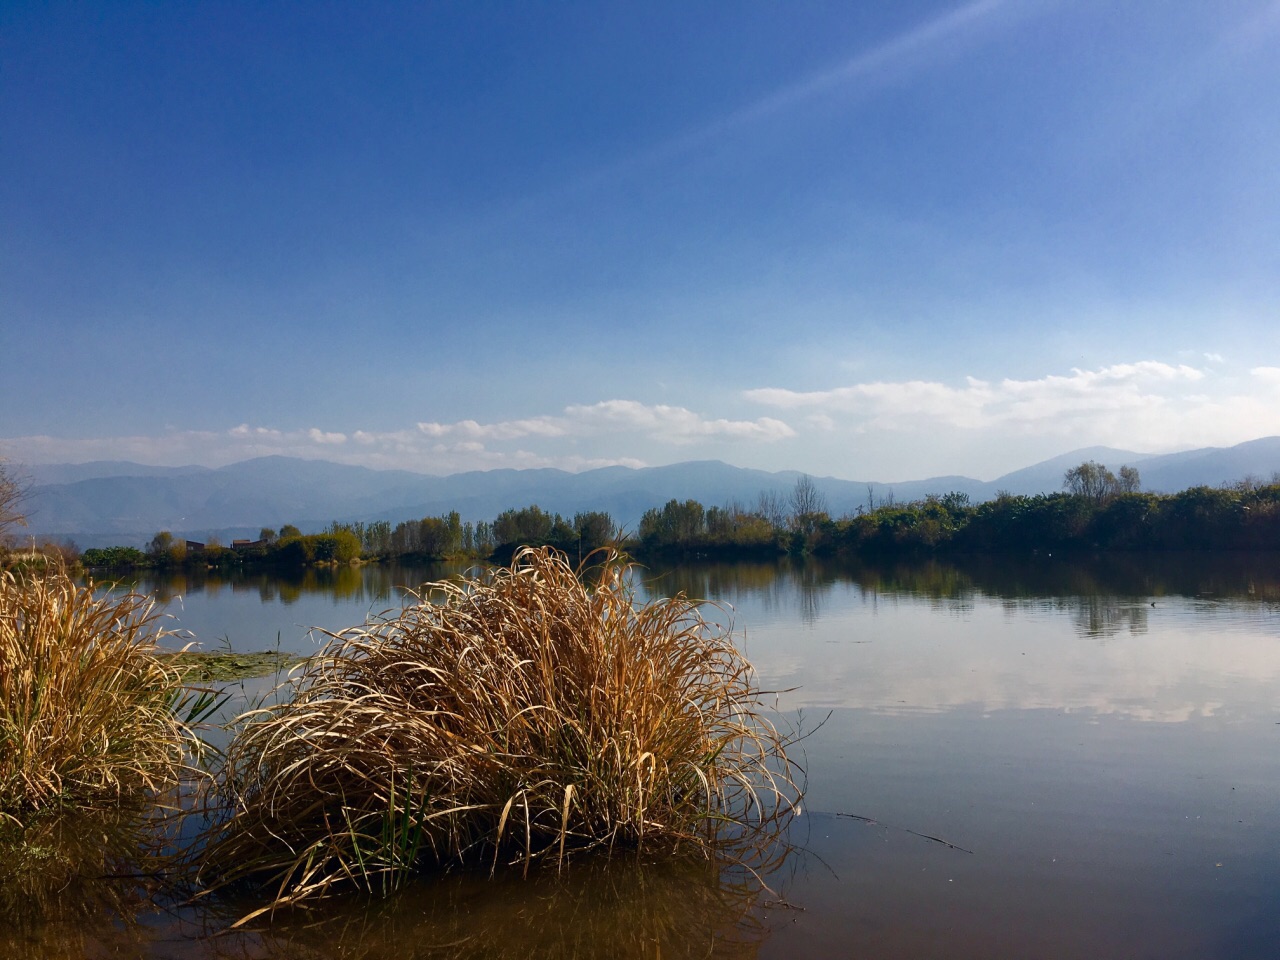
{"x": 90, "y": 713}
{"x": 218, "y": 667}
{"x": 531, "y": 713}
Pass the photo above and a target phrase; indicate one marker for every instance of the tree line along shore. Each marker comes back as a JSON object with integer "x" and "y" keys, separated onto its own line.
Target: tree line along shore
{"x": 1095, "y": 511}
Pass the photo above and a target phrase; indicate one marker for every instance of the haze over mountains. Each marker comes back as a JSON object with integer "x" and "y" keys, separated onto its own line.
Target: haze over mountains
{"x": 115, "y": 502}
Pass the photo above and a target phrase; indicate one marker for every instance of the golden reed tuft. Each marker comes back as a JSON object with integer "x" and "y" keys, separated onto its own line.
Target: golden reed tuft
{"x": 531, "y": 713}
{"x": 89, "y": 713}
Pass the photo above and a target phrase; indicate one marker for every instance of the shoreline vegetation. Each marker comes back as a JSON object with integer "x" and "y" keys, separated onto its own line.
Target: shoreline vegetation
{"x": 1097, "y": 512}
{"x": 526, "y": 715}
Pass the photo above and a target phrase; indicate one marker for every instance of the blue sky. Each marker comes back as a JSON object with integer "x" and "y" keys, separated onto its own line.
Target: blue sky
{"x": 875, "y": 241}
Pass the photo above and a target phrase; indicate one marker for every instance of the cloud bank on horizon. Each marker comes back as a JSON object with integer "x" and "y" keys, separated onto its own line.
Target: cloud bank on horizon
{"x": 874, "y": 241}
{"x": 1167, "y": 406}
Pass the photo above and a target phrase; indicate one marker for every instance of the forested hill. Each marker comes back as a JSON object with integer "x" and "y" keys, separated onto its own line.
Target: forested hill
{"x": 115, "y": 502}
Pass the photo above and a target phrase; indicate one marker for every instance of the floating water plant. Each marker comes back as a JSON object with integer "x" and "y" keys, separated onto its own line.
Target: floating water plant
{"x": 90, "y": 714}
{"x": 224, "y": 667}
{"x": 528, "y": 714}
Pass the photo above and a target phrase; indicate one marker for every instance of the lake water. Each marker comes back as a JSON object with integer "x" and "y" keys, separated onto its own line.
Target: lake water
{"x": 1039, "y": 759}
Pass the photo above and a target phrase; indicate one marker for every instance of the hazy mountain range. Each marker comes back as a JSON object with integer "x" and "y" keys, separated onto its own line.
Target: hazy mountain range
{"x": 115, "y": 502}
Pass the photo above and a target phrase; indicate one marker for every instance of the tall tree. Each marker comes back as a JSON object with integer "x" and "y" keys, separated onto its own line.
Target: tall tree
{"x": 806, "y": 498}
{"x": 770, "y": 506}
{"x": 1092, "y": 481}
{"x": 160, "y": 544}
{"x": 808, "y": 505}
{"x": 1130, "y": 482}
{"x": 594, "y": 529}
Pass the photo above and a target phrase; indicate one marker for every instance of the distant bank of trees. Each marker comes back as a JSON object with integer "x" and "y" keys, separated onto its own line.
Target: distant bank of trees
{"x": 448, "y": 536}
{"x": 431, "y": 538}
{"x": 1097, "y": 511}
{"x": 775, "y": 523}
{"x": 289, "y": 548}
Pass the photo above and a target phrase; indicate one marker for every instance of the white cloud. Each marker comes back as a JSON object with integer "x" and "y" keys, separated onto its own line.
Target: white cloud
{"x": 505, "y": 430}
{"x": 1146, "y": 404}
{"x": 581, "y": 437}
{"x": 261, "y": 433}
{"x": 917, "y": 48}
{"x": 321, "y": 437}
{"x": 673, "y": 424}
{"x": 658, "y": 422}
{"x": 1267, "y": 375}
{"x": 883, "y": 403}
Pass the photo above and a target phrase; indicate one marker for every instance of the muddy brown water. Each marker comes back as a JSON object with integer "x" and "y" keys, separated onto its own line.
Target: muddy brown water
{"x": 1035, "y": 759}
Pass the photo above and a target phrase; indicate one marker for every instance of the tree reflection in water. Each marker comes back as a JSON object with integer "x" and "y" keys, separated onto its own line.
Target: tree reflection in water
{"x": 1105, "y": 595}
{"x": 370, "y": 584}
{"x": 776, "y": 586}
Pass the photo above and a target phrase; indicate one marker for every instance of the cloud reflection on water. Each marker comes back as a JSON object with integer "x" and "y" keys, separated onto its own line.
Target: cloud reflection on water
{"x": 1164, "y": 639}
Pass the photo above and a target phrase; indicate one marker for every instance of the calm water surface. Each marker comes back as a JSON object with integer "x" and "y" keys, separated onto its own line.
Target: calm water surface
{"x": 1043, "y": 759}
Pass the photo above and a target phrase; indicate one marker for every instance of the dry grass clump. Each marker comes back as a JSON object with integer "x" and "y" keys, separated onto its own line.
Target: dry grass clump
{"x": 521, "y": 715}
{"x": 89, "y": 714}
